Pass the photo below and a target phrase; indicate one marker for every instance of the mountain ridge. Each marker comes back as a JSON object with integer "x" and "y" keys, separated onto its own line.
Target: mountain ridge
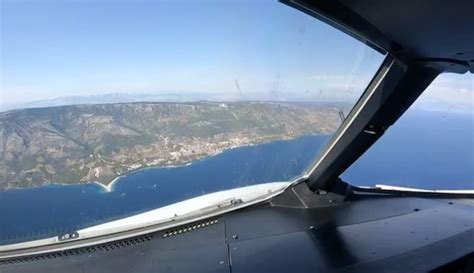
{"x": 98, "y": 142}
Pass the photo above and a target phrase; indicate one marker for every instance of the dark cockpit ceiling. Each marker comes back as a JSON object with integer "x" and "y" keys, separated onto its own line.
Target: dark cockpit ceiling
{"x": 410, "y": 30}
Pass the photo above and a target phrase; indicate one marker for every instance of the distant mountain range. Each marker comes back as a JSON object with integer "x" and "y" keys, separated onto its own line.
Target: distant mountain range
{"x": 105, "y": 98}
{"x": 323, "y": 97}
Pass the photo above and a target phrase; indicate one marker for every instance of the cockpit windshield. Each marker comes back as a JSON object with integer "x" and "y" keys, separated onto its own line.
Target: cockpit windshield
{"x": 111, "y": 109}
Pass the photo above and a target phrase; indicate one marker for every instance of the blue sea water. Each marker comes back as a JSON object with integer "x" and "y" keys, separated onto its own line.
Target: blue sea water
{"x": 425, "y": 149}
{"x": 33, "y": 213}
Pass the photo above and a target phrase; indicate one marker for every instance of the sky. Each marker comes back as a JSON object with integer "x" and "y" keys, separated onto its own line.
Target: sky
{"x": 236, "y": 49}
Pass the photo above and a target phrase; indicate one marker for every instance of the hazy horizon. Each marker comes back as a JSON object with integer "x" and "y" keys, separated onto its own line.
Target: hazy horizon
{"x": 60, "y": 48}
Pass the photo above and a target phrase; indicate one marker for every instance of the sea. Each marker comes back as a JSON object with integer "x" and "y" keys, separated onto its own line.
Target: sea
{"x": 425, "y": 149}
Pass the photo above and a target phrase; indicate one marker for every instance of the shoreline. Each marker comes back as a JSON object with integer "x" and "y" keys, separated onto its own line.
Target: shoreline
{"x": 109, "y": 187}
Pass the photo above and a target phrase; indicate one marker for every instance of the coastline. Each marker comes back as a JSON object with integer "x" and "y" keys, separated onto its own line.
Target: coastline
{"x": 109, "y": 187}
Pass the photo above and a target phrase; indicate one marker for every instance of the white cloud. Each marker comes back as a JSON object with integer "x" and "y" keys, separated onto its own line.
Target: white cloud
{"x": 449, "y": 92}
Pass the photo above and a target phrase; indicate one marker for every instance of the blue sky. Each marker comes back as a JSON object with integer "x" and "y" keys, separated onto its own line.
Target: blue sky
{"x": 53, "y": 49}
{"x": 58, "y": 48}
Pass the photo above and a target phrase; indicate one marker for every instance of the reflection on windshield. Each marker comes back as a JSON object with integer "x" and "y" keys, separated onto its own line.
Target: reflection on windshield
{"x": 109, "y": 110}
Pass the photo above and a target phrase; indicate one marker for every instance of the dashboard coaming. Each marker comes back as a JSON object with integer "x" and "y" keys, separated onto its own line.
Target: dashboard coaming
{"x": 355, "y": 234}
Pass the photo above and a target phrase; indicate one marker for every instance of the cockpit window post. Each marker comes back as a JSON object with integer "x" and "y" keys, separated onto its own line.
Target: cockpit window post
{"x": 393, "y": 89}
